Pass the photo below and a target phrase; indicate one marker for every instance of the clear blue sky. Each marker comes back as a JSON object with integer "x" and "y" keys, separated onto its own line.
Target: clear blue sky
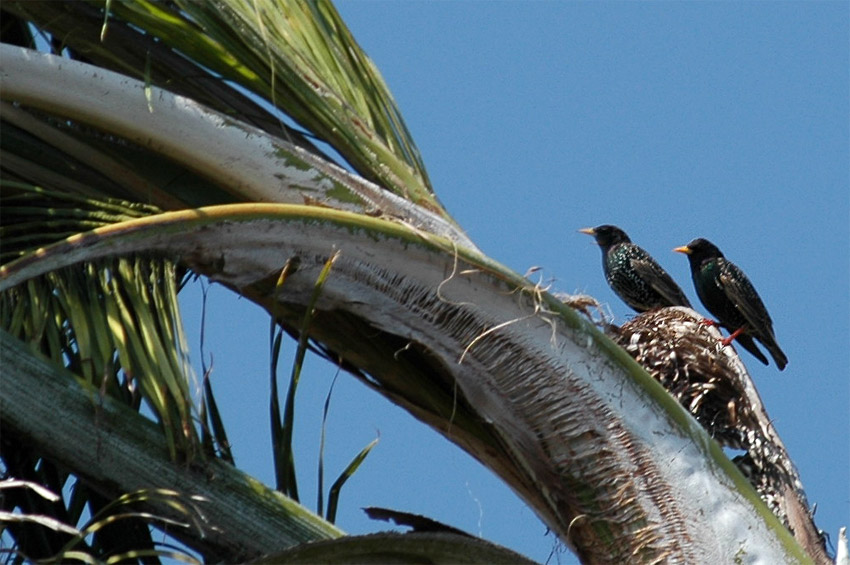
{"x": 672, "y": 120}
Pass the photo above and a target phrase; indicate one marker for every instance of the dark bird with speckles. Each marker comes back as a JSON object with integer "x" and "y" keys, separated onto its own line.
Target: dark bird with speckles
{"x": 729, "y": 295}
{"x": 633, "y": 274}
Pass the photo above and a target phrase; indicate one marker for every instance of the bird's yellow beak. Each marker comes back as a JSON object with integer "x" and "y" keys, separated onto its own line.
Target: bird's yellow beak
{"x": 684, "y": 249}
{"x": 588, "y": 231}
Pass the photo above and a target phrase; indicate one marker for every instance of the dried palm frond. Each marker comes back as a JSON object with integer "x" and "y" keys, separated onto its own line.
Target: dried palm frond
{"x": 710, "y": 381}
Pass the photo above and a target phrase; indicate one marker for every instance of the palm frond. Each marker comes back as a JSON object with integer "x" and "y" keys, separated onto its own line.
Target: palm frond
{"x": 347, "y": 473}
{"x": 228, "y": 154}
{"x": 472, "y": 355}
{"x": 232, "y": 517}
{"x": 127, "y": 49}
{"x": 298, "y": 56}
{"x": 114, "y": 322}
{"x": 309, "y": 61}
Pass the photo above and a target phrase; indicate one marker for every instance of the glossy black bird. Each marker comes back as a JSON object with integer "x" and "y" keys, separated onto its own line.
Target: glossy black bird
{"x": 633, "y": 274}
{"x": 729, "y": 295}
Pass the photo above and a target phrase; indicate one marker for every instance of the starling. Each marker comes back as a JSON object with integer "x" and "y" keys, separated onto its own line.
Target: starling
{"x": 729, "y": 295}
{"x": 633, "y": 275}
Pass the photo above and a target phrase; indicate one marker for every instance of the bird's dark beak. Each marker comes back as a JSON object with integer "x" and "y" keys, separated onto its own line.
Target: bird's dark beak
{"x": 588, "y": 231}
{"x": 684, "y": 249}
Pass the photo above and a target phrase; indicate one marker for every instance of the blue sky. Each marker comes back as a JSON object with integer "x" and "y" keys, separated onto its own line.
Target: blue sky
{"x": 672, "y": 120}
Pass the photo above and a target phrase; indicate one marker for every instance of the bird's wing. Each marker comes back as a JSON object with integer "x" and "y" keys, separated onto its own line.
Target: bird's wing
{"x": 658, "y": 278}
{"x": 743, "y": 295}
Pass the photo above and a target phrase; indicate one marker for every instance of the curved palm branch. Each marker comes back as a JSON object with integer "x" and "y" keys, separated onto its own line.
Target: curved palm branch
{"x": 516, "y": 356}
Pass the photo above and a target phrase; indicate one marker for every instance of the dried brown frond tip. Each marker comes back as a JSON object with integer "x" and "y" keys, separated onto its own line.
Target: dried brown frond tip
{"x": 685, "y": 356}
{"x": 710, "y": 381}
{"x": 588, "y": 306}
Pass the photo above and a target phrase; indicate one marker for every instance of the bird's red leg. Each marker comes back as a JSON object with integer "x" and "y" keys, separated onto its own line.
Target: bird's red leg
{"x": 709, "y": 322}
{"x": 727, "y": 340}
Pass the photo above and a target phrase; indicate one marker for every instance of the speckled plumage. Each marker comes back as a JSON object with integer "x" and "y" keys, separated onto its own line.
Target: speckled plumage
{"x": 729, "y": 295}
{"x": 633, "y": 274}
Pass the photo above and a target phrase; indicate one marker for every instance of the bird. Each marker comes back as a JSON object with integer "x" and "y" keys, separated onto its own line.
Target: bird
{"x": 729, "y": 295}
{"x": 633, "y": 274}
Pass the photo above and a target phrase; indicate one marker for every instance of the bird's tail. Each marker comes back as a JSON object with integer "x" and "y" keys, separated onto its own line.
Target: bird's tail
{"x": 775, "y": 352}
{"x": 747, "y": 343}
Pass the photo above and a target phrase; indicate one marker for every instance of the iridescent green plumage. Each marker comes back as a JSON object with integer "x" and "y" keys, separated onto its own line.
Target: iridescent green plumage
{"x": 729, "y": 295}
{"x": 633, "y": 274}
